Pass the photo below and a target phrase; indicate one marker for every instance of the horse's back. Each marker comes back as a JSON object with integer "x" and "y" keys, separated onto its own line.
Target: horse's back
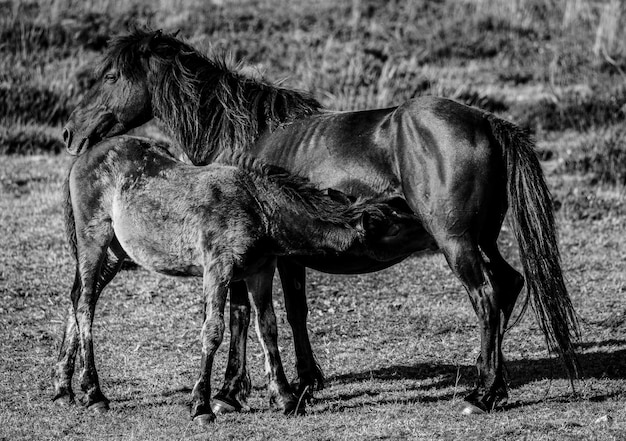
{"x": 439, "y": 154}
{"x": 366, "y": 152}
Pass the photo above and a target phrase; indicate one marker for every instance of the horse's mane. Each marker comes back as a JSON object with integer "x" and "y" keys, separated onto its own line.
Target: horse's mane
{"x": 284, "y": 189}
{"x": 208, "y": 106}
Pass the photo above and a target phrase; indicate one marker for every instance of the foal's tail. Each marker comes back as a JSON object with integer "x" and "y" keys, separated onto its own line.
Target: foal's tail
{"x": 535, "y": 230}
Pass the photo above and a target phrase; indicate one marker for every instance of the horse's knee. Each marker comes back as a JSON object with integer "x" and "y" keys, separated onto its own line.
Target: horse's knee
{"x": 213, "y": 334}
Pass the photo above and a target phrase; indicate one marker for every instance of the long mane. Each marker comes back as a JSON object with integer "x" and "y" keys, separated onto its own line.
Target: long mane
{"x": 207, "y": 106}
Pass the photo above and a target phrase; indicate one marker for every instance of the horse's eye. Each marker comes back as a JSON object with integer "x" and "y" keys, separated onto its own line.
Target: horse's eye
{"x": 111, "y": 77}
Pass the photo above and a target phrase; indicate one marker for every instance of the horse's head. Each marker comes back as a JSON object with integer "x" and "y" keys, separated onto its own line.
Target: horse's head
{"x": 392, "y": 231}
{"x": 120, "y": 99}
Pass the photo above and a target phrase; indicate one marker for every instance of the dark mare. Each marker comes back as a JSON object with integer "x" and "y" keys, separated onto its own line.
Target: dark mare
{"x": 222, "y": 223}
{"x": 458, "y": 168}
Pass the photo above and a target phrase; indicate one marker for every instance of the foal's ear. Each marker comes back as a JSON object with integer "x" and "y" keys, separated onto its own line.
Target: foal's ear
{"x": 145, "y": 46}
{"x": 366, "y": 223}
{"x": 385, "y": 228}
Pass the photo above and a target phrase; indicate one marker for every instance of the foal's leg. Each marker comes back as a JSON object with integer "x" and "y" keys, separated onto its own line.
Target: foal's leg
{"x": 63, "y": 370}
{"x": 293, "y": 279}
{"x": 260, "y": 288}
{"x": 232, "y": 396}
{"x": 217, "y": 276}
{"x": 92, "y": 251}
{"x": 469, "y": 266}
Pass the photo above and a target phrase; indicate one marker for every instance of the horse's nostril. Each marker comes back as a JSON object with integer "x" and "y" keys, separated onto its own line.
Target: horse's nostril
{"x": 67, "y": 136}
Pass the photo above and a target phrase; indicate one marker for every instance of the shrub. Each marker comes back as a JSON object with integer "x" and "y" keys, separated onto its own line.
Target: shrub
{"x": 573, "y": 112}
{"x": 603, "y": 157}
{"x": 23, "y": 140}
{"x": 30, "y": 103}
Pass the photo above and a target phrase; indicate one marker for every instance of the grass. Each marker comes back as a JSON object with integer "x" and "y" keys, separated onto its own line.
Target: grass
{"x": 398, "y": 347}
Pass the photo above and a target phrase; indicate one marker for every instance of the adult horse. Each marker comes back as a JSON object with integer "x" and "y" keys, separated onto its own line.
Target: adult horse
{"x": 458, "y": 168}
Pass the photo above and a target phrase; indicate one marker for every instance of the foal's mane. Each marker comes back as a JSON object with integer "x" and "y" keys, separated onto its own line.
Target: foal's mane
{"x": 208, "y": 106}
{"x": 300, "y": 195}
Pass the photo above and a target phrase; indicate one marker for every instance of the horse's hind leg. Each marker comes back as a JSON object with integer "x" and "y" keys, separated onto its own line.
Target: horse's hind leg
{"x": 509, "y": 282}
{"x": 63, "y": 370}
{"x": 293, "y": 278}
{"x": 467, "y": 263}
{"x": 260, "y": 288}
{"x": 234, "y": 392}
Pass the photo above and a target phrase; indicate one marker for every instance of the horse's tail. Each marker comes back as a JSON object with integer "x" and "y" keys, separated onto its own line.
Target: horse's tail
{"x": 535, "y": 230}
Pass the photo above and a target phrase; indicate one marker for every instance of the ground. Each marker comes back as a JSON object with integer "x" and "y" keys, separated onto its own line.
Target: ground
{"x": 398, "y": 346}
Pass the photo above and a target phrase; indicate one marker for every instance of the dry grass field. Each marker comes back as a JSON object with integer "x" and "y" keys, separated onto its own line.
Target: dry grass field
{"x": 398, "y": 346}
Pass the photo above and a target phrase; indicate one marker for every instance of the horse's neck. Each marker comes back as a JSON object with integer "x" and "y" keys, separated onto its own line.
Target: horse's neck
{"x": 205, "y": 129}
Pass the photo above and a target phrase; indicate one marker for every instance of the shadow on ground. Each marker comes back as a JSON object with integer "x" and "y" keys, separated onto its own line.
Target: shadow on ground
{"x": 595, "y": 363}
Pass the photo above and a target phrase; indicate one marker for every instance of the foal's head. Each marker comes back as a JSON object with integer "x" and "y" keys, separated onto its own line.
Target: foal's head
{"x": 390, "y": 229}
{"x": 120, "y": 99}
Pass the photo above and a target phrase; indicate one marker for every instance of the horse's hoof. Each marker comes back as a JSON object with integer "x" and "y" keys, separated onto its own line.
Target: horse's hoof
{"x": 99, "y": 407}
{"x": 295, "y": 408}
{"x": 204, "y": 420}
{"x": 471, "y": 409}
{"x": 220, "y": 405}
{"x": 64, "y": 400}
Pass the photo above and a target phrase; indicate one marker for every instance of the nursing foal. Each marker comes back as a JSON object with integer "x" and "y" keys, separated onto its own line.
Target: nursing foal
{"x": 129, "y": 196}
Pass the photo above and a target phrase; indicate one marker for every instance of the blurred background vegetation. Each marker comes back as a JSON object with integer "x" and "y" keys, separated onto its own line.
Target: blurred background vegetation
{"x": 557, "y": 67}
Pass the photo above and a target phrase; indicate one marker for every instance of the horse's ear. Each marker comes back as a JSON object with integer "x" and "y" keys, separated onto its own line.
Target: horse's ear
{"x": 145, "y": 46}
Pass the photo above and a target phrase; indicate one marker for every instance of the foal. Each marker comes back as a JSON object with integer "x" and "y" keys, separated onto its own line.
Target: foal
{"x": 129, "y": 196}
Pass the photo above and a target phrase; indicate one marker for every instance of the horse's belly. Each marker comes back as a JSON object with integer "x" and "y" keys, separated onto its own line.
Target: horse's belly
{"x": 350, "y": 264}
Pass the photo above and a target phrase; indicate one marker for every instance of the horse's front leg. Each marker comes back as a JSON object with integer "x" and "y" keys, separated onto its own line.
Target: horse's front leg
{"x": 217, "y": 276}
{"x": 293, "y": 279}
{"x": 236, "y": 387}
{"x": 260, "y": 289}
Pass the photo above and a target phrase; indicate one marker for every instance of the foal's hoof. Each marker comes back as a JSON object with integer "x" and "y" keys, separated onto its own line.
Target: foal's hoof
{"x": 471, "y": 409}
{"x": 224, "y": 405}
{"x": 99, "y": 407}
{"x": 64, "y": 401}
{"x": 204, "y": 420}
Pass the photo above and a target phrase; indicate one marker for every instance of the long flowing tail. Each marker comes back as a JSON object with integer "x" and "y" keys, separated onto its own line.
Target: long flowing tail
{"x": 535, "y": 230}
